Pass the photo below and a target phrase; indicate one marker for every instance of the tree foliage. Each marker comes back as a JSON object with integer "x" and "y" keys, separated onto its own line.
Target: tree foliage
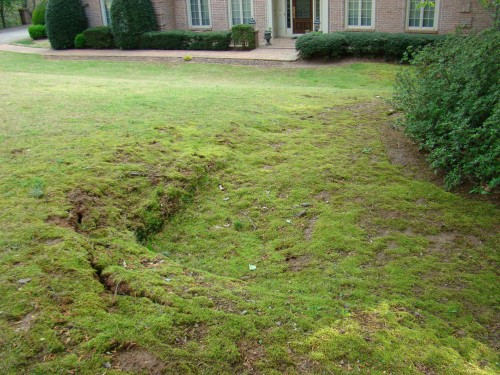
{"x": 450, "y": 97}
{"x": 5, "y": 6}
{"x": 38, "y": 17}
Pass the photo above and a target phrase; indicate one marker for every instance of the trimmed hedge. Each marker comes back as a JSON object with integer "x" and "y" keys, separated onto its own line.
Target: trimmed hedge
{"x": 129, "y": 20}
{"x": 38, "y": 17}
{"x": 37, "y": 32}
{"x": 244, "y": 36}
{"x": 80, "y": 41}
{"x": 322, "y": 45}
{"x": 362, "y": 44}
{"x": 64, "y": 20}
{"x": 100, "y": 37}
{"x": 186, "y": 40}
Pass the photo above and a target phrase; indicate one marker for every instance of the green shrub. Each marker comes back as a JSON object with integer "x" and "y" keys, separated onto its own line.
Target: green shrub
{"x": 314, "y": 45}
{"x": 99, "y": 37}
{"x": 129, "y": 20}
{"x": 244, "y": 36}
{"x": 37, "y": 32}
{"x": 450, "y": 97}
{"x": 210, "y": 41}
{"x": 38, "y": 17}
{"x": 80, "y": 42}
{"x": 165, "y": 40}
{"x": 362, "y": 44}
{"x": 64, "y": 20}
{"x": 186, "y": 40}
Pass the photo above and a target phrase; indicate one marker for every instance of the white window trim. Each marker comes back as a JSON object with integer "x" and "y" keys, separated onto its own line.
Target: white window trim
{"x": 188, "y": 5}
{"x": 103, "y": 13}
{"x": 371, "y": 27}
{"x": 421, "y": 28}
{"x": 230, "y": 11}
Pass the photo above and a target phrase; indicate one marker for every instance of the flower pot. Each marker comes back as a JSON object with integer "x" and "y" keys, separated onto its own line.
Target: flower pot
{"x": 267, "y": 37}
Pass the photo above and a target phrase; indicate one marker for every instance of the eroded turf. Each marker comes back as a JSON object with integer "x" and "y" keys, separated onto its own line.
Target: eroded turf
{"x": 213, "y": 219}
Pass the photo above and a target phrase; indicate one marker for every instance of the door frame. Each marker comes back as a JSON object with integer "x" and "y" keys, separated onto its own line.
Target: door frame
{"x": 278, "y": 21}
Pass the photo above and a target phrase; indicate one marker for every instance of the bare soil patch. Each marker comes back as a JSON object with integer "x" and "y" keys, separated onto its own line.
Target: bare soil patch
{"x": 138, "y": 361}
{"x": 308, "y": 232}
{"x": 297, "y": 263}
{"x": 25, "y": 323}
{"x": 251, "y": 354}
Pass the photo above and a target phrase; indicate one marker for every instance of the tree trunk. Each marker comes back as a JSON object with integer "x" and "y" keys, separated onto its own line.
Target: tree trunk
{"x": 2, "y": 14}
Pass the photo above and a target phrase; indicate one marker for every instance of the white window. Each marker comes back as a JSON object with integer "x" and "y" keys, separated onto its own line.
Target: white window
{"x": 199, "y": 13}
{"x": 241, "y": 11}
{"x": 106, "y": 12}
{"x": 421, "y": 17}
{"x": 360, "y": 13}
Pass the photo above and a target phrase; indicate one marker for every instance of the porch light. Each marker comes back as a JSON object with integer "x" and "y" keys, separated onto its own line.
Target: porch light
{"x": 316, "y": 24}
{"x": 252, "y": 23}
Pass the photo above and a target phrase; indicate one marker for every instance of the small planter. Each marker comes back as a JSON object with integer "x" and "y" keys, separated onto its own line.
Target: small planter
{"x": 267, "y": 37}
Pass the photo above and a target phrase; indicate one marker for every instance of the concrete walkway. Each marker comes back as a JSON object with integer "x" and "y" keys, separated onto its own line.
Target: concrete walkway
{"x": 281, "y": 52}
{"x": 14, "y": 34}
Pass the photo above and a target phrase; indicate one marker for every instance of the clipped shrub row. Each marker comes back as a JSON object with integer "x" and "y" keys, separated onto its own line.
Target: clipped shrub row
{"x": 186, "y": 40}
{"x": 37, "y": 32}
{"x": 362, "y": 44}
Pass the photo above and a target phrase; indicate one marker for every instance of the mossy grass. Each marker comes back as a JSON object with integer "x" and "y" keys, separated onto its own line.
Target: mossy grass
{"x": 222, "y": 219}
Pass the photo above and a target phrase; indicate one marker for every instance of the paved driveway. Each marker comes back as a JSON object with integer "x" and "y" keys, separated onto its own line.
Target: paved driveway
{"x": 11, "y": 35}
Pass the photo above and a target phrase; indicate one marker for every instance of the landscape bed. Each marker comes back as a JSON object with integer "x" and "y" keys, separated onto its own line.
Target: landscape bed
{"x": 190, "y": 218}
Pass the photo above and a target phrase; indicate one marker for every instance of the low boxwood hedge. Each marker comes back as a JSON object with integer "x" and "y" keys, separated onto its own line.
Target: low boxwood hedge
{"x": 100, "y": 37}
{"x": 362, "y": 44}
{"x": 186, "y": 40}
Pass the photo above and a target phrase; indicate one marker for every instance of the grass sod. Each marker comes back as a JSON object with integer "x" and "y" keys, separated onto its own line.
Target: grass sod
{"x": 358, "y": 265}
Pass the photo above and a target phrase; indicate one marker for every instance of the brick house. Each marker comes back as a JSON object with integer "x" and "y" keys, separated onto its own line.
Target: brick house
{"x": 288, "y": 18}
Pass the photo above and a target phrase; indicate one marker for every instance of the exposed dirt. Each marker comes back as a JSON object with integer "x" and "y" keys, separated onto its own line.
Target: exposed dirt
{"x": 138, "y": 361}
{"x": 297, "y": 263}
{"x": 59, "y": 221}
{"x": 82, "y": 201}
{"x": 308, "y": 232}
{"x": 251, "y": 354}
{"x": 25, "y": 323}
{"x": 401, "y": 150}
{"x": 115, "y": 287}
{"x": 53, "y": 241}
{"x": 324, "y": 196}
{"x": 196, "y": 332}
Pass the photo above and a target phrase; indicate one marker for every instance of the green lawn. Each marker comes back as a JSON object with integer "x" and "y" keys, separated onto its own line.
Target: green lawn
{"x": 207, "y": 219}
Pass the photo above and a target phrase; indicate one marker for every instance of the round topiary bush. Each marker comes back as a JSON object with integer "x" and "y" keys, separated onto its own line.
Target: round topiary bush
{"x": 38, "y": 17}
{"x": 129, "y": 20}
{"x": 64, "y": 19}
{"x": 37, "y": 32}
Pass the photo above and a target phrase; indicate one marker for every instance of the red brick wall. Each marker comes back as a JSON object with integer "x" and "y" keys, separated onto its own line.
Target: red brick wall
{"x": 94, "y": 13}
{"x": 390, "y": 15}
